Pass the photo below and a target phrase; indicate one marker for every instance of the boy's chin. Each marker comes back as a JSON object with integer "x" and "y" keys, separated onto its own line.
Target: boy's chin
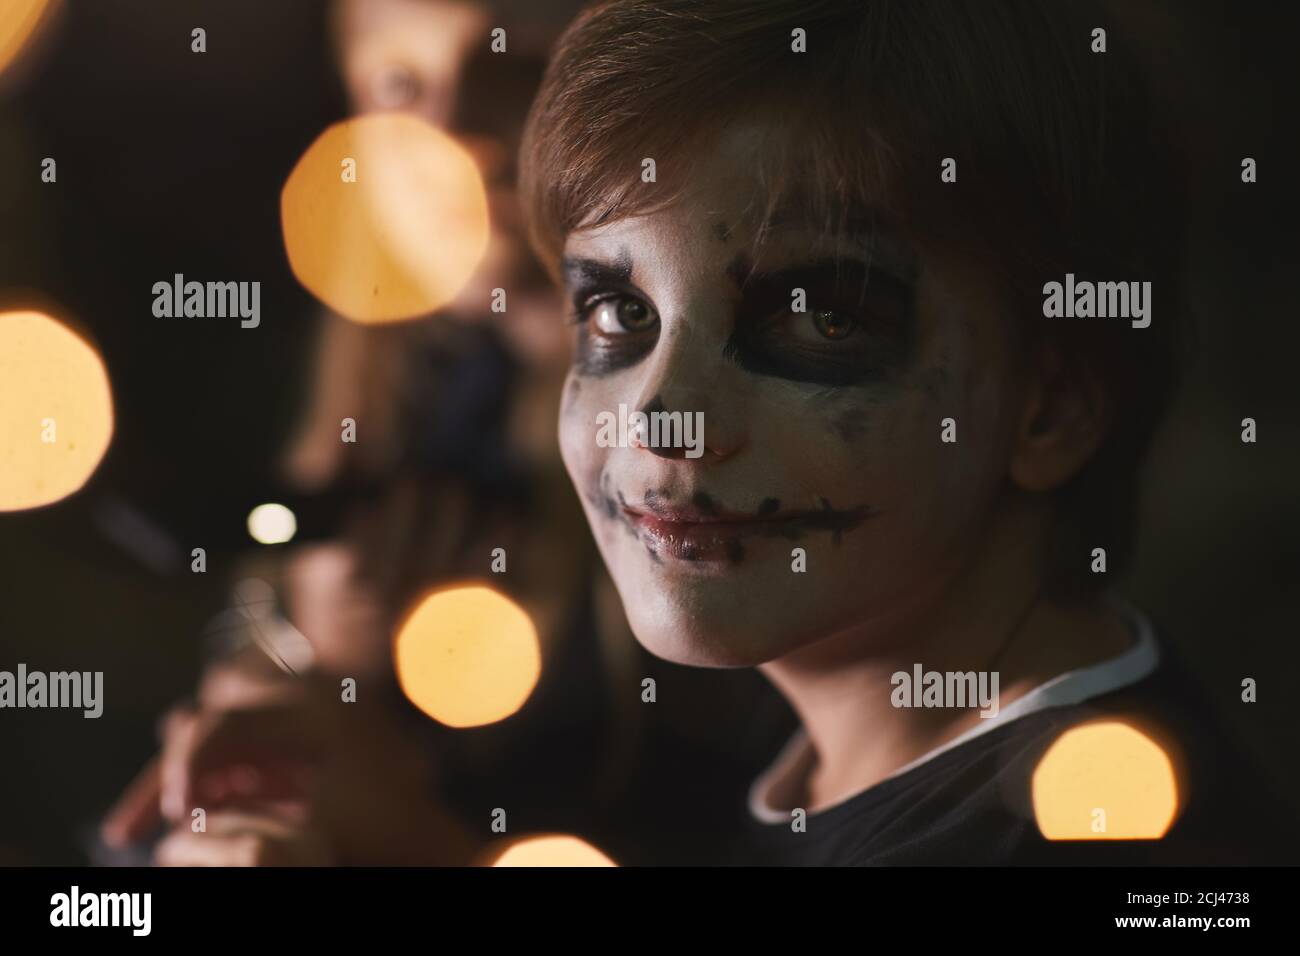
{"x": 694, "y": 644}
{"x": 706, "y": 626}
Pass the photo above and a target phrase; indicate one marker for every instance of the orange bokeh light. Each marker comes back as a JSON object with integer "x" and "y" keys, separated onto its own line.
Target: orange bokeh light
{"x": 552, "y": 850}
{"x": 19, "y": 20}
{"x": 1105, "y": 781}
{"x": 467, "y": 656}
{"x": 56, "y": 411}
{"x": 385, "y": 218}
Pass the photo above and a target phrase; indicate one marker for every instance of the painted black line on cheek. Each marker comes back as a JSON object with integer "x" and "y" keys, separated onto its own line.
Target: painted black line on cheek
{"x": 603, "y": 501}
{"x": 839, "y": 523}
{"x": 704, "y": 503}
{"x": 610, "y": 510}
{"x": 654, "y": 500}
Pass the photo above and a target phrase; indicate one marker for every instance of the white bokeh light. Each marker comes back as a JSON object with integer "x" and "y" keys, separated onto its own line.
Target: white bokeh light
{"x": 272, "y": 524}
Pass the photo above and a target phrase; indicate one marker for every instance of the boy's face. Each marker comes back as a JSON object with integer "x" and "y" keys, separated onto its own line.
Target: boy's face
{"x": 821, "y": 429}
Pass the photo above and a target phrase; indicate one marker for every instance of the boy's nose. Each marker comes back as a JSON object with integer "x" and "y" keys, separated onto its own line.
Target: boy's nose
{"x": 689, "y": 393}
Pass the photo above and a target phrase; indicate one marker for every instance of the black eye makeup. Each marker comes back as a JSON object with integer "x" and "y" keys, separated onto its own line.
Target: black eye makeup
{"x": 827, "y": 322}
{"x": 617, "y": 325}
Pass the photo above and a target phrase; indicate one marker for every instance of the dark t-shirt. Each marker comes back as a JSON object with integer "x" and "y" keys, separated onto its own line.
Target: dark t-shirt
{"x": 684, "y": 802}
{"x": 972, "y": 804}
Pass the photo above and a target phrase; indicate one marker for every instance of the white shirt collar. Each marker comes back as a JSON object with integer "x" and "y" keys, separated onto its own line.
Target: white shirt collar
{"x": 1064, "y": 690}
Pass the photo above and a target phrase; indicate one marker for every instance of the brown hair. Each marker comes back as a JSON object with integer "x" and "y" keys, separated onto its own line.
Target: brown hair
{"x": 1060, "y": 168}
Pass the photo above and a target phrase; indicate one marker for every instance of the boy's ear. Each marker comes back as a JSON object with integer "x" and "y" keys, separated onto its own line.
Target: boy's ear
{"x": 1067, "y": 413}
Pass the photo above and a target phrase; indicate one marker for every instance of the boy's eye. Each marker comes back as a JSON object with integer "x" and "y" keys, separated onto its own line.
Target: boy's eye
{"x": 833, "y": 325}
{"x": 815, "y": 328}
{"x": 621, "y": 314}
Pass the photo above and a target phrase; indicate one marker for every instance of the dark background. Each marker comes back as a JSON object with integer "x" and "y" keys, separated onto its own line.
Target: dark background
{"x": 172, "y": 162}
{"x": 168, "y": 161}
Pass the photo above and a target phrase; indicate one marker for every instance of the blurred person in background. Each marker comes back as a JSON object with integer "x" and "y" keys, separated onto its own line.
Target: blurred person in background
{"x": 458, "y": 458}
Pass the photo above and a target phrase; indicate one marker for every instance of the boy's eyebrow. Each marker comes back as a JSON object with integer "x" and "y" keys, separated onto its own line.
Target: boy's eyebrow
{"x": 854, "y": 218}
{"x": 827, "y": 271}
{"x": 579, "y": 269}
{"x": 883, "y": 256}
{"x": 860, "y": 225}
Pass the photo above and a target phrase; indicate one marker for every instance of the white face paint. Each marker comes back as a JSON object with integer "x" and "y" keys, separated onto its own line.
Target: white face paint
{"x": 821, "y": 429}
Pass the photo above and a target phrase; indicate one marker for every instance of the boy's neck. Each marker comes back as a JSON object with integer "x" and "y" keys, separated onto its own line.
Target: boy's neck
{"x": 992, "y": 617}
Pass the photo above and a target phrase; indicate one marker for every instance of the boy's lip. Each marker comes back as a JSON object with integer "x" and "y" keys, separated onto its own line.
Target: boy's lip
{"x": 693, "y": 534}
{"x": 703, "y": 532}
{"x": 692, "y": 515}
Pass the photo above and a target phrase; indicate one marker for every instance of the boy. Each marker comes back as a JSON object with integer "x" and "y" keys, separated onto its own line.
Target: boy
{"x": 827, "y": 230}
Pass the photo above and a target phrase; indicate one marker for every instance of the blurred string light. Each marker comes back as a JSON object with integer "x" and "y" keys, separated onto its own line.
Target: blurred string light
{"x": 385, "y": 218}
{"x": 1110, "y": 767}
{"x": 272, "y": 524}
{"x": 19, "y": 20}
{"x": 56, "y": 410}
{"x": 467, "y": 656}
{"x": 553, "y": 850}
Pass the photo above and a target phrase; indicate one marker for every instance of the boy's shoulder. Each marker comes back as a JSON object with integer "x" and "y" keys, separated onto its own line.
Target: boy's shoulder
{"x": 1088, "y": 774}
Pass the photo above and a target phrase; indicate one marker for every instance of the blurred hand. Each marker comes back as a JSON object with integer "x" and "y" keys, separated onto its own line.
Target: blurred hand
{"x": 304, "y": 774}
{"x": 243, "y": 680}
{"x": 245, "y": 838}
